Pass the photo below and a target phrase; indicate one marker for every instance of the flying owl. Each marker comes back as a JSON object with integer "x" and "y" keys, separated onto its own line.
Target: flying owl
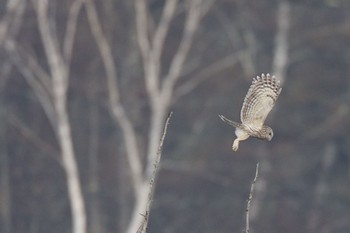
{"x": 258, "y": 102}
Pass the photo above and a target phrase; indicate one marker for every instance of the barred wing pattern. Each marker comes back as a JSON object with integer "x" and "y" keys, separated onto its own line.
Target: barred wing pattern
{"x": 260, "y": 99}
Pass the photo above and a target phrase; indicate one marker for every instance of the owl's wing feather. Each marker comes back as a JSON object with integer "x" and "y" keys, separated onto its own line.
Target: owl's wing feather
{"x": 260, "y": 99}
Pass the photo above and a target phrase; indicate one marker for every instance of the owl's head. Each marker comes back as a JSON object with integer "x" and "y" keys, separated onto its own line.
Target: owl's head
{"x": 266, "y": 133}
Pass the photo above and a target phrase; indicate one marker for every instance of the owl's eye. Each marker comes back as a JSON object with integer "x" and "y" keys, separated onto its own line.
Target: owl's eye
{"x": 270, "y": 134}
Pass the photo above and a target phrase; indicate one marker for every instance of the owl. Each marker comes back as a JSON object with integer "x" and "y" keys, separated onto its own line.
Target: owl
{"x": 258, "y": 102}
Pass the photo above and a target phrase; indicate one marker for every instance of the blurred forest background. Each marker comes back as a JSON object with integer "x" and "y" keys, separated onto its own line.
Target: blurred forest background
{"x": 86, "y": 87}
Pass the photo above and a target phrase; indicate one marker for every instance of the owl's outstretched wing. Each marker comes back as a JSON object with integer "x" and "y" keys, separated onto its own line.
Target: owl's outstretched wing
{"x": 260, "y": 99}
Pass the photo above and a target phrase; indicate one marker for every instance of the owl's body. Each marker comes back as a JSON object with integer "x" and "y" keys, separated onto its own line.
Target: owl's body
{"x": 259, "y": 101}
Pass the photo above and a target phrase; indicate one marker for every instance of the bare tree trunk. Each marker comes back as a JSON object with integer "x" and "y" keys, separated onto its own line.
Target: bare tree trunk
{"x": 71, "y": 169}
{"x": 160, "y": 91}
{"x": 60, "y": 78}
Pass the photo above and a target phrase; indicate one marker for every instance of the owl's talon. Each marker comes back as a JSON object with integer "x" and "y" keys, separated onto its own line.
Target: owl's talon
{"x": 235, "y": 145}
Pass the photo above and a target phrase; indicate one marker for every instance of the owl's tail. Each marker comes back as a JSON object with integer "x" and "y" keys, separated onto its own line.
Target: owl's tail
{"x": 232, "y": 123}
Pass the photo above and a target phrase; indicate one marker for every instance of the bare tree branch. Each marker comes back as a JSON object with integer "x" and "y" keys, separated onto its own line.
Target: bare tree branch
{"x": 55, "y": 60}
{"x": 142, "y": 27}
{"x": 163, "y": 101}
{"x": 71, "y": 28}
{"x": 154, "y": 64}
{"x": 151, "y": 48}
{"x": 114, "y": 96}
{"x": 51, "y": 90}
{"x": 144, "y": 223}
{"x": 247, "y": 220}
{"x": 162, "y": 29}
{"x": 60, "y": 76}
{"x": 105, "y": 51}
{"x": 191, "y": 24}
{"x": 151, "y": 78}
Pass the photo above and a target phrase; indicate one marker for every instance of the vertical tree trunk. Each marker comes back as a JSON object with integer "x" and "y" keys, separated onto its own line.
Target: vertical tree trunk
{"x": 71, "y": 169}
{"x": 139, "y": 208}
{"x": 59, "y": 70}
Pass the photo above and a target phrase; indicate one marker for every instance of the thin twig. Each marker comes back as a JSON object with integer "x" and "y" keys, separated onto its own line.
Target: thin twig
{"x": 247, "y": 227}
{"x": 143, "y": 226}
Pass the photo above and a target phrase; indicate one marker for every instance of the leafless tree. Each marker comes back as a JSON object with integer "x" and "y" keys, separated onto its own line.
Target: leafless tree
{"x": 51, "y": 89}
{"x": 160, "y": 42}
{"x": 161, "y": 90}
